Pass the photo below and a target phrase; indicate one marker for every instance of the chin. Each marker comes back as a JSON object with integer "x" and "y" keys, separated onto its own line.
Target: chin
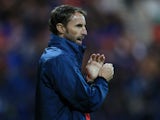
{"x": 79, "y": 42}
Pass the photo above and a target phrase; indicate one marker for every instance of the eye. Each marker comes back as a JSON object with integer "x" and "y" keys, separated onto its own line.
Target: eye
{"x": 79, "y": 25}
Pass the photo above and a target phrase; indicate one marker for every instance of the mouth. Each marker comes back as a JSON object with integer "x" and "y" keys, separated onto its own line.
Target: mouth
{"x": 80, "y": 38}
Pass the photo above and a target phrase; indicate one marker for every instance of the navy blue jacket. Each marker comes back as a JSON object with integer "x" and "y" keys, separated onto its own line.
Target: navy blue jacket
{"x": 62, "y": 90}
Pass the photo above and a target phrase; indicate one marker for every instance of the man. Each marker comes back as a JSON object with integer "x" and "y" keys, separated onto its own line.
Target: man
{"x": 63, "y": 93}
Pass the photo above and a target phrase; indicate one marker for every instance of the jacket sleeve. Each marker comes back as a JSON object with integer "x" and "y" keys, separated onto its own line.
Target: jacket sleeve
{"x": 73, "y": 88}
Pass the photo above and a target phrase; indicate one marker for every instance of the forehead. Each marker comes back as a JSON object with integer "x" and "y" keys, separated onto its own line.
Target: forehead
{"x": 77, "y": 17}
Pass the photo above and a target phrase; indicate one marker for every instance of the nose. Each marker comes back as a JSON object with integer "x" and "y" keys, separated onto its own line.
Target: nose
{"x": 84, "y": 31}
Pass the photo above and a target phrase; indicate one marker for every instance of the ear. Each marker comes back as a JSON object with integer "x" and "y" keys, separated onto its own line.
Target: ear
{"x": 60, "y": 27}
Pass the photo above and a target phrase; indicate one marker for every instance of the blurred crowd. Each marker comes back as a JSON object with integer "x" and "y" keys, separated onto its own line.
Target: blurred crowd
{"x": 126, "y": 31}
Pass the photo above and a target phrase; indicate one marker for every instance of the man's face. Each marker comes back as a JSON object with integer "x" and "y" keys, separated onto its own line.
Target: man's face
{"x": 76, "y": 28}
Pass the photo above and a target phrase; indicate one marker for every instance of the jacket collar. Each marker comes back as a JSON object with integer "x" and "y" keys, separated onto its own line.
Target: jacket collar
{"x": 66, "y": 45}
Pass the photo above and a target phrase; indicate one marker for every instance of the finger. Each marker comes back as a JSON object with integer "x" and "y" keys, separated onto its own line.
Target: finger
{"x": 93, "y": 56}
{"x": 102, "y": 59}
{"x": 97, "y": 57}
{"x": 108, "y": 64}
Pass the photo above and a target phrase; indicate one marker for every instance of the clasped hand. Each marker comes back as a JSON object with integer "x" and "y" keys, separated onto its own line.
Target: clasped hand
{"x": 96, "y": 67}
